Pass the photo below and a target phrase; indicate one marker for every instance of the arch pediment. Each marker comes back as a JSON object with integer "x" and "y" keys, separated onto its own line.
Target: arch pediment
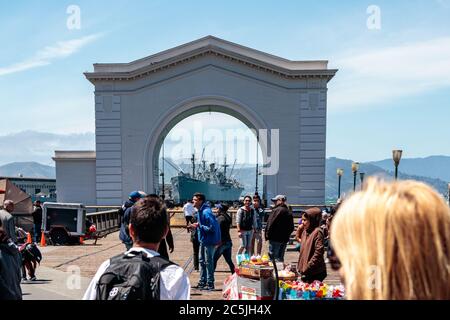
{"x": 210, "y": 46}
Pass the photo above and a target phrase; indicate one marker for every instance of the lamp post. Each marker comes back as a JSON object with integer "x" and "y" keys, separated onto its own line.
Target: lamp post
{"x": 339, "y": 172}
{"x": 361, "y": 176}
{"x": 355, "y": 166}
{"x": 448, "y": 194}
{"x": 396, "y": 156}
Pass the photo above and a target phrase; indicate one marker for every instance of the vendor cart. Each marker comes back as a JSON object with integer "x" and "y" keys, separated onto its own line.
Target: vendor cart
{"x": 275, "y": 281}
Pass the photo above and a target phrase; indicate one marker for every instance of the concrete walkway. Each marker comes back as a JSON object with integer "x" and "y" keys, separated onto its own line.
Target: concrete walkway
{"x": 55, "y": 285}
{"x": 66, "y": 271}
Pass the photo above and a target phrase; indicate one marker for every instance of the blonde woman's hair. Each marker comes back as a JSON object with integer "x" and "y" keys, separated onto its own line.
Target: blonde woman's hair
{"x": 393, "y": 242}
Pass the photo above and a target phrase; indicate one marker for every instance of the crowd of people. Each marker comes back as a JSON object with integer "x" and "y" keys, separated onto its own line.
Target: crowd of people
{"x": 17, "y": 256}
{"x": 391, "y": 240}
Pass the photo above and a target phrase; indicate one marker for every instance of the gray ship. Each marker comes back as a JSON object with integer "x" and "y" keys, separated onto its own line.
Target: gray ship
{"x": 210, "y": 181}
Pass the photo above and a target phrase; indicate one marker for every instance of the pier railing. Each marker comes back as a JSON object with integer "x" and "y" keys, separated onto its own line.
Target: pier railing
{"x": 106, "y": 221}
{"x": 178, "y": 220}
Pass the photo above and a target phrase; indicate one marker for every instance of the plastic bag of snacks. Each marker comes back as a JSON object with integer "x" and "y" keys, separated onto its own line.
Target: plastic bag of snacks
{"x": 230, "y": 289}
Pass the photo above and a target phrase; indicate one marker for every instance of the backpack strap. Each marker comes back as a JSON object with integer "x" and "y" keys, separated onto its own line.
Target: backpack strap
{"x": 160, "y": 261}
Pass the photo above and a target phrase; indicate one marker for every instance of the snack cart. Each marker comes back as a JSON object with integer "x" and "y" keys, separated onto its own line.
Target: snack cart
{"x": 256, "y": 279}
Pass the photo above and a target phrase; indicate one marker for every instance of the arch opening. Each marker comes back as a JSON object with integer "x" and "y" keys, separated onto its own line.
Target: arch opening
{"x": 210, "y": 143}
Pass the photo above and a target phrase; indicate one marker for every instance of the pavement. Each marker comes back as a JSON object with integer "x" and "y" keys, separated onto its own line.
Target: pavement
{"x": 55, "y": 285}
{"x": 66, "y": 271}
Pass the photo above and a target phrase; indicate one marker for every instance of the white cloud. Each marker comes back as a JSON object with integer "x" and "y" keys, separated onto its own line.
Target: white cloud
{"x": 377, "y": 76}
{"x": 44, "y": 57}
{"x": 40, "y": 146}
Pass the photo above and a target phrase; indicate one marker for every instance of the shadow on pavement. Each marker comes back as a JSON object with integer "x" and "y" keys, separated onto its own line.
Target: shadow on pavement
{"x": 39, "y": 281}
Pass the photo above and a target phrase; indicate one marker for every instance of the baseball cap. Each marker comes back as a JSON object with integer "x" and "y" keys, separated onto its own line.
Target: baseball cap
{"x": 279, "y": 197}
{"x": 222, "y": 207}
{"x": 136, "y": 194}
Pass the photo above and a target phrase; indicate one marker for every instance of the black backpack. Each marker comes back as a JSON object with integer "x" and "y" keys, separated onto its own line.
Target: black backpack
{"x": 132, "y": 277}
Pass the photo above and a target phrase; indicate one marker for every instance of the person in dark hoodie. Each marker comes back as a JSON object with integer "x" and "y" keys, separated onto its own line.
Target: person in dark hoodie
{"x": 311, "y": 262}
{"x": 225, "y": 245}
{"x": 168, "y": 239}
{"x": 280, "y": 225}
{"x": 125, "y": 214}
{"x": 10, "y": 268}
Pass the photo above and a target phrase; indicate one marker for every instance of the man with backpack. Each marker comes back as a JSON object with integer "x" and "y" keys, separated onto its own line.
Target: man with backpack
{"x": 140, "y": 273}
{"x": 209, "y": 236}
{"x": 246, "y": 223}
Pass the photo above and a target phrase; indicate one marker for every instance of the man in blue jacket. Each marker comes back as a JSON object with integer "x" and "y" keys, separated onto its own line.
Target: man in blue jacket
{"x": 125, "y": 215}
{"x": 208, "y": 230}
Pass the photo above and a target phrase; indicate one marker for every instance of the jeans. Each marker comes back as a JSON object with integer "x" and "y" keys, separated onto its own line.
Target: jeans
{"x": 246, "y": 242}
{"x": 128, "y": 246}
{"x": 277, "y": 249}
{"x": 206, "y": 265}
{"x": 225, "y": 250}
{"x": 37, "y": 233}
{"x": 257, "y": 237}
{"x": 195, "y": 249}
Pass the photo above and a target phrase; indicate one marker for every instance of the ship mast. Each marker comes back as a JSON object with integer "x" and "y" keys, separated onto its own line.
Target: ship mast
{"x": 225, "y": 166}
{"x": 193, "y": 165}
{"x": 204, "y": 162}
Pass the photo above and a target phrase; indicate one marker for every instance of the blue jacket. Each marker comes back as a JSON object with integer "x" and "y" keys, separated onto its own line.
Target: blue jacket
{"x": 208, "y": 227}
{"x": 124, "y": 234}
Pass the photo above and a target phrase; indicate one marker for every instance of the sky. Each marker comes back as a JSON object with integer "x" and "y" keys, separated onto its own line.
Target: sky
{"x": 392, "y": 90}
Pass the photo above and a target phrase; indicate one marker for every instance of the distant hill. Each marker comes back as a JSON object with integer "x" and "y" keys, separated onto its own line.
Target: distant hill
{"x": 434, "y": 167}
{"x": 28, "y": 170}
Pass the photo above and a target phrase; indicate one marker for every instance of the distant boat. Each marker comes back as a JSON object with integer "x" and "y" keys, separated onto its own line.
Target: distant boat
{"x": 212, "y": 182}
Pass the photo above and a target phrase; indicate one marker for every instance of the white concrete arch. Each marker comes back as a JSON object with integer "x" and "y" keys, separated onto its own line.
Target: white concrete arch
{"x": 138, "y": 103}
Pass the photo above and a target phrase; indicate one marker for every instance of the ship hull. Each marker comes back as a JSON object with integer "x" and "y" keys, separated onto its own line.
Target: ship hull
{"x": 183, "y": 188}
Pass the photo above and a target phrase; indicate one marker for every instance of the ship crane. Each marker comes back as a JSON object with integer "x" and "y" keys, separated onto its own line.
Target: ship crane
{"x": 174, "y": 165}
{"x": 232, "y": 168}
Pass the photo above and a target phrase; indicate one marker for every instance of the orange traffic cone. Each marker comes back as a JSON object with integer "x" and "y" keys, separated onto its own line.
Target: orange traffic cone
{"x": 29, "y": 238}
{"x": 81, "y": 240}
{"x": 43, "y": 242}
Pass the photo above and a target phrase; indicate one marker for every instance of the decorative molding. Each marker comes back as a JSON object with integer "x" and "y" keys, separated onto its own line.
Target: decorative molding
{"x": 276, "y": 66}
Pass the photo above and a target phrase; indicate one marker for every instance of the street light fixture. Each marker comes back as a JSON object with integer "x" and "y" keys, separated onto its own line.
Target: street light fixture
{"x": 355, "y": 167}
{"x": 339, "y": 172}
{"x": 396, "y": 156}
{"x": 448, "y": 194}
{"x": 361, "y": 176}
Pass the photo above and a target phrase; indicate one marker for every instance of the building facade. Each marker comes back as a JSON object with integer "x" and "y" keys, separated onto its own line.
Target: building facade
{"x": 38, "y": 188}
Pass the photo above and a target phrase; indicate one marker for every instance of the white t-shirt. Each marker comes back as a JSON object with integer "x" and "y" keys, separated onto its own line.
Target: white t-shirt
{"x": 189, "y": 210}
{"x": 174, "y": 283}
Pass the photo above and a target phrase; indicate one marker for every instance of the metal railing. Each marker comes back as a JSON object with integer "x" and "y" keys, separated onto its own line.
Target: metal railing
{"x": 106, "y": 222}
